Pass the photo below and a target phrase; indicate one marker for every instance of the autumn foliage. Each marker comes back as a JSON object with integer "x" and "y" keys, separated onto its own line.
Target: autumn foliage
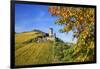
{"x": 81, "y": 21}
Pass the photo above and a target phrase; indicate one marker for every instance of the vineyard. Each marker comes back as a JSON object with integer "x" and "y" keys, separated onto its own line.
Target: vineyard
{"x": 32, "y": 53}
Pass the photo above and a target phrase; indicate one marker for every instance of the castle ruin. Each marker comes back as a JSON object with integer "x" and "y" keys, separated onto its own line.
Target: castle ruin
{"x": 51, "y": 34}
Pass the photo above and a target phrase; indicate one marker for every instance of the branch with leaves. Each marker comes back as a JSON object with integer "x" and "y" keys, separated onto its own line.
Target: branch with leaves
{"x": 81, "y": 21}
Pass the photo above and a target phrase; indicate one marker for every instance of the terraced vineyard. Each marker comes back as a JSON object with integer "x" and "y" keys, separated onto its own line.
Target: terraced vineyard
{"x": 32, "y": 53}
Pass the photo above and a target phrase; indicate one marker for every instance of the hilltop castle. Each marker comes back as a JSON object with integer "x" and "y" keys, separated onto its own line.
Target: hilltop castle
{"x": 49, "y": 36}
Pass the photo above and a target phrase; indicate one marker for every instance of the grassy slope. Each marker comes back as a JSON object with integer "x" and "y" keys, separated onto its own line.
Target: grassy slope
{"x": 32, "y": 53}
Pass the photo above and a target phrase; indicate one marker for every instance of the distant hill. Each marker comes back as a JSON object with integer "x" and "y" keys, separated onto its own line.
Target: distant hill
{"x": 36, "y": 30}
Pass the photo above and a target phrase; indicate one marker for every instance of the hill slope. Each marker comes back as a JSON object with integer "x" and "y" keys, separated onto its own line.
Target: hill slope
{"x": 28, "y": 51}
{"x": 32, "y": 52}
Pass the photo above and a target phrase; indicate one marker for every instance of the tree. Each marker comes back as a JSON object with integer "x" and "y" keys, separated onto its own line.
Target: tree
{"x": 81, "y": 21}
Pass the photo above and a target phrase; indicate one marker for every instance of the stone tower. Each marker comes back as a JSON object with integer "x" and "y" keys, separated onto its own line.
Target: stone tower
{"x": 50, "y": 32}
{"x": 51, "y": 35}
